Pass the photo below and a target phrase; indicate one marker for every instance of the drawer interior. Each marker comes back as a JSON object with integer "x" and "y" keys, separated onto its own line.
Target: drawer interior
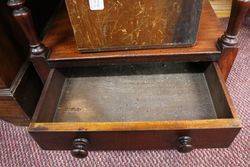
{"x": 134, "y": 93}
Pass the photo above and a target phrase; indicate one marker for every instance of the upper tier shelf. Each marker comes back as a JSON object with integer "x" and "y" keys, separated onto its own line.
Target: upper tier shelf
{"x": 60, "y": 39}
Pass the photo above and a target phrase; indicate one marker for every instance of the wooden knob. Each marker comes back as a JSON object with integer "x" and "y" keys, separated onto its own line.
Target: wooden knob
{"x": 80, "y": 148}
{"x": 185, "y": 145}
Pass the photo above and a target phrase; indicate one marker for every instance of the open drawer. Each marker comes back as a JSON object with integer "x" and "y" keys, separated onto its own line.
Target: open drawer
{"x": 137, "y": 106}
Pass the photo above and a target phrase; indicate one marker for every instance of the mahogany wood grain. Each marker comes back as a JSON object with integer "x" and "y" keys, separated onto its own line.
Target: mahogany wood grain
{"x": 50, "y": 96}
{"x": 216, "y": 85}
{"x": 17, "y": 103}
{"x": 38, "y": 51}
{"x": 20, "y": 86}
{"x": 207, "y": 133}
{"x": 60, "y": 40}
{"x": 226, "y": 60}
{"x": 228, "y": 43}
{"x": 135, "y": 140}
{"x": 143, "y": 24}
{"x": 11, "y": 58}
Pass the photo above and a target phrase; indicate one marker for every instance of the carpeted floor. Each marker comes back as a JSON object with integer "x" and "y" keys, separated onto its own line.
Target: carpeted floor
{"x": 17, "y": 149}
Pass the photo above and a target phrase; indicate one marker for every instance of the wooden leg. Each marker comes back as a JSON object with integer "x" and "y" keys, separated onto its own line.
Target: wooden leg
{"x": 226, "y": 60}
{"x": 228, "y": 41}
{"x": 37, "y": 50}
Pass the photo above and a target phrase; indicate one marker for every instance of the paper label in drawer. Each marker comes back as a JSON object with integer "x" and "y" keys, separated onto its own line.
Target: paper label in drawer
{"x": 96, "y": 4}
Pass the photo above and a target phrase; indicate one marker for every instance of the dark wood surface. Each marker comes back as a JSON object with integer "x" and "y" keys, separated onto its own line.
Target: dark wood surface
{"x": 143, "y": 24}
{"x": 17, "y": 103}
{"x": 228, "y": 43}
{"x": 20, "y": 86}
{"x": 227, "y": 59}
{"x": 162, "y": 134}
{"x": 38, "y": 52}
{"x": 11, "y": 57}
{"x": 60, "y": 40}
{"x": 221, "y": 136}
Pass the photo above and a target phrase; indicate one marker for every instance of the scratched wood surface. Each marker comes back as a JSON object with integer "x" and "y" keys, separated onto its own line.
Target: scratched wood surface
{"x": 60, "y": 39}
{"x": 126, "y": 25}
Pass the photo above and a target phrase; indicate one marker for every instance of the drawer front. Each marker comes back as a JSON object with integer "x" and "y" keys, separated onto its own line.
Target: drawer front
{"x": 200, "y": 138}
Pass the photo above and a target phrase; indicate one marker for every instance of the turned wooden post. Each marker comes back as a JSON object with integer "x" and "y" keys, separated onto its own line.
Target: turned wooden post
{"x": 38, "y": 51}
{"x": 228, "y": 43}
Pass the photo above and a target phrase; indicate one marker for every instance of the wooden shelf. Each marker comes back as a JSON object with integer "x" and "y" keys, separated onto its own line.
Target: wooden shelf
{"x": 60, "y": 39}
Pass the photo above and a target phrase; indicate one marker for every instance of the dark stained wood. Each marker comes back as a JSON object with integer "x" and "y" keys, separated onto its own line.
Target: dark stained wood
{"x": 38, "y": 50}
{"x": 17, "y": 103}
{"x": 226, "y": 60}
{"x": 42, "y": 10}
{"x": 20, "y": 86}
{"x": 11, "y": 111}
{"x": 23, "y": 17}
{"x": 40, "y": 64}
{"x": 50, "y": 96}
{"x": 2, "y": 84}
{"x": 213, "y": 137}
{"x": 143, "y": 24}
{"x": 213, "y": 132}
{"x": 80, "y": 149}
{"x": 60, "y": 40}
{"x": 222, "y": 101}
{"x": 228, "y": 41}
{"x": 238, "y": 13}
{"x": 185, "y": 144}
{"x": 10, "y": 58}
{"x": 27, "y": 89}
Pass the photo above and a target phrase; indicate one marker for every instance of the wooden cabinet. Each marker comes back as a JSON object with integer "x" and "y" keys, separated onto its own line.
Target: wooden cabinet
{"x": 173, "y": 98}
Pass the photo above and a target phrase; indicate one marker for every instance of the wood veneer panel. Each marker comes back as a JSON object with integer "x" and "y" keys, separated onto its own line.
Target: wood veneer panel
{"x": 61, "y": 40}
{"x": 143, "y": 24}
{"x": 134, "y": 140}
